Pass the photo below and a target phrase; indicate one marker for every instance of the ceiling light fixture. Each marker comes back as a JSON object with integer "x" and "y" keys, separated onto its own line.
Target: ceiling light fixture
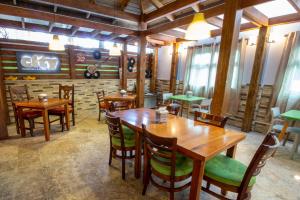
{"x": 198, "y": 30}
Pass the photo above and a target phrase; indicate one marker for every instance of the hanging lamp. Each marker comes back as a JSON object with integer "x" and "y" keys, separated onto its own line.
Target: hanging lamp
{"x": 114, "y": 50}
{"x": 55, "y": 44}
{"x": 198, "y": 29}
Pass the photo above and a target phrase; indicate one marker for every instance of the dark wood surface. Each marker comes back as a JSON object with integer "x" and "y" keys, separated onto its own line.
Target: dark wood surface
{"x": 118, "y": 97}
{"x": 44, "y": 107}
{"x": 3, "y": 106}
{"x": 196, "y": 140}
{"x": 141, "y": 67}
{"x": 255, "y": 78}
{"x": 229, "y": 40}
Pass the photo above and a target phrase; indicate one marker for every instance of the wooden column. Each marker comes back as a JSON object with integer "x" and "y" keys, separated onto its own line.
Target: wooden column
{"x": 229, "y": 40}
{"x": 174, "y": 64}
{"x": 3, "y": 106}
{"x": 255, "y": 77}
{"x": 124, "y": 67}
{"x": 154, "y": 70}
{"x": 72, "y": 58}
{"x": 141, "y": 67}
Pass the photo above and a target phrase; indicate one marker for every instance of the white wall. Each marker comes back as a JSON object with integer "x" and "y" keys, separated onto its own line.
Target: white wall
{"x": 164, "y": 62}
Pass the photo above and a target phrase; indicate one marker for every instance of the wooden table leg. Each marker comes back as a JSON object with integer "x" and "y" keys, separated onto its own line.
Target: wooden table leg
{"x": 283, "y": 131}
{"x": 138, "y": 155}
{"x": 197, "y": 177}
{"x": 21, "y": 121}
{"x": 67, "y": 116}
{"x": 46, "y": 125}
{"x": 231, "y": 152}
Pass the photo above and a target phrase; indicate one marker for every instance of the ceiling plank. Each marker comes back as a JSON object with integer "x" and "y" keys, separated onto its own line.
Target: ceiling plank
{"x": 255, "y": 16}
{"x": 124, "y": 4}
{"x": 208, "y": 12}
{"x": 173, "y": 33}
{"x": 215, "y": 21}
{"x": 158, "y": 4}
{"x": 286, "y": 19}
{"x": 295, "y": 4}
{"x": 51, "y": 26}
{"x": 96, "y": 9}
{"x": 170, "y": 9}
{"x": 74, "y": 30}
{"x": 74, "y": 21}
{"x": 94, "y": 33}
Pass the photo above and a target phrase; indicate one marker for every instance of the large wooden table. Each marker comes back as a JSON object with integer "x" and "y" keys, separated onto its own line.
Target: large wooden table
{"x": 194, "y": 139}
{"x": 118, "y": 97}
{"x": 43, "y": 107}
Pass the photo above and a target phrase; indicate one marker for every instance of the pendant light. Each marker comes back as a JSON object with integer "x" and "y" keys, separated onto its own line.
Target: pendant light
{"x": 198, "y": 29}
{"x": 114, "y": 50}
{"x": 55, "y": 44}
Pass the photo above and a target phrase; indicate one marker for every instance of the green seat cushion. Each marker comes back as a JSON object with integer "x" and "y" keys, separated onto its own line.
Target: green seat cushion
{"x": 184, "y": 166}
{"x": 226, "y": 170}
{"x": 129, "y": 138}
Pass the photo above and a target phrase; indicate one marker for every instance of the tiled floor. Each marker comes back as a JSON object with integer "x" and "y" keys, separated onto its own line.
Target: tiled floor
{"x": 74, "y": 165}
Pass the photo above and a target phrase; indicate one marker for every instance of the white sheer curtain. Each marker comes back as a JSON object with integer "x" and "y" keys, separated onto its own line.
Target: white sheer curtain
{"x": 289, "y": 94}
{"x": 201, "y": 69}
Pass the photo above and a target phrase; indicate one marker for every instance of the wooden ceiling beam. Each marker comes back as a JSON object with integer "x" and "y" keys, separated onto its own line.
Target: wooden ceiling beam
{"x": 255, "y": 16}
{"x": 74, "y": 21}
{"x": 286, "y": 19}
{"x": 93, "y": 8}
{"x": 124, "y": 4}
{"x": 158, "y": 5}
{"x": 215, "y": 21}
{"x": 207, "y": 10}
{"x": 295, "y": 4}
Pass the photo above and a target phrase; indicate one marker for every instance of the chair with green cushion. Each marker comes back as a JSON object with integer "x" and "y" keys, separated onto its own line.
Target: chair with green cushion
{"x": 232, "y": 175}
{"x": 122, "y": 139}
{"x": 162, "y": 160}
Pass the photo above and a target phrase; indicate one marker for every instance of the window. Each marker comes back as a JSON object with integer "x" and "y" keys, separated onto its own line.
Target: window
{"x": 200, "y": 71}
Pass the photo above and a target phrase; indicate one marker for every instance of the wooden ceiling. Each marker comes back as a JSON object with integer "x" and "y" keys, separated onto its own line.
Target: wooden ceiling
{"x": 119, "y": 20}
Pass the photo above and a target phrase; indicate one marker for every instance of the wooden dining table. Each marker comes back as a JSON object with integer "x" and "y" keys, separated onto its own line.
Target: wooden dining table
{"x": 118, "y": 97}
{"x": 196, "y": 140}
{"x": 35, "y": 104}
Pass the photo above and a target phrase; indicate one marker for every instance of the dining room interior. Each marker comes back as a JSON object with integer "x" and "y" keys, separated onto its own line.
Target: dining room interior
{"x": 150, "y": 99}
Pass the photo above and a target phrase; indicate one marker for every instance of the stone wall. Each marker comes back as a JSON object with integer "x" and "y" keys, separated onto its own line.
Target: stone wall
{"x": 85, "y": 97}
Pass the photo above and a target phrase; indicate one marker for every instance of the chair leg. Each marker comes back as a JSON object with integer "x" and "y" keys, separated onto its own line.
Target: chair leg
{"x": 172, "y": 195}
{"x": 31, "y": 126}
{"x": 62, "y": 122}
{"x": 110, "y": 155}
{"x": 123, "y": 164}
{"x": 147, "y": 180}
{"x": 286, "y": 139}
{"x": 73, "y": 118}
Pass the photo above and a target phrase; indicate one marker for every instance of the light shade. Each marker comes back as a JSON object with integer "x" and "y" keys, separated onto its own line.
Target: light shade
{"x": 55, "y": 44}
{"x": 115, "y": 50}
{"x": 197, "y": 30}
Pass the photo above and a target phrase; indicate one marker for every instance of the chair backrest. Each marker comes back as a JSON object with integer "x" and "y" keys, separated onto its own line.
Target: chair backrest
{"x": 211, "y": 119}
{"x": 166, "y": 97}
{"x": 275, "y": 112}
{"x": 19, "y": 93}
{"x": 263, "y": 153}
{"x": 114, "y": 128}
{"x": 100, "y": 96}
{"x": 206, "y": 102}
{"x": 173, "y": 109}
{"x": 161, "y": 150}
{"x": 67, "y": 92}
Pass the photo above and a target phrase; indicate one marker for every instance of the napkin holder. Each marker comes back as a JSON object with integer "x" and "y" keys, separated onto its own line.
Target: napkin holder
{"x": 161, "y": 115}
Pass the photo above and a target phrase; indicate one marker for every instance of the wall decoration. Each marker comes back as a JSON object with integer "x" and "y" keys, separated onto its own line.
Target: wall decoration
{"x": 130, "y": 66}
{"x": 80, "y": 57}
{"x": 91, "y": 72}
{"x": 148, "y": 73}
{"x": 97, "y": 54}
{"x": 31, "y": 62}
{"x": 29, "y": 78}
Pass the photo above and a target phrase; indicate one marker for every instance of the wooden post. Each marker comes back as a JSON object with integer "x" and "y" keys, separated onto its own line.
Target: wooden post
{"x": 154, "y": 70}
{"x": 124, "y": 67}
{"x": 229, "y": 40}
{"x": 174, "y": 64}
{"x": 141, "y": 67}
{"x": 255, "y": 78}
{"x": 72, "y": 58}
{"x": 3, "y": 106}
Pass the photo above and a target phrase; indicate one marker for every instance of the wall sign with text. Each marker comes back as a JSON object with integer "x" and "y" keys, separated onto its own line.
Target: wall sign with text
{"x": 32, "y": 62}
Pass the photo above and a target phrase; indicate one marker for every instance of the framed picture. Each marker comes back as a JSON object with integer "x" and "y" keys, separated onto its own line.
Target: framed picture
{"x": 35, "y": 62}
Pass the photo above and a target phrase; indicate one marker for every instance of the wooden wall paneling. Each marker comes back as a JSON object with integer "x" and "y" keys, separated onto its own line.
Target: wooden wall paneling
{"x": 141, "y": 67}
{"x": 229, "y": 40}
{"x": 255, "y": 77}
{"x": 3, "y": 106}
{"x": 174, "y": 66}
{"x": 123, "y": 77}
{"x": 154, "y": 70}
{"x": 72, "y": 66}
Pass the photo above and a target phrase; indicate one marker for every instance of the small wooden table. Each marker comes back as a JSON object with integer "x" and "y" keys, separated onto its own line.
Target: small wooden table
{"x": 194, "y": 139}
{"x": 291, "y": 115}
{"x": 44, "y": 107}
{"x": 118, "y": 97}
{"x": 189, "y": 100}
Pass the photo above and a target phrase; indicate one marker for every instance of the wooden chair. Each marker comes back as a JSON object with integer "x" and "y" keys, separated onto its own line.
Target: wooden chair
{"x": 211, "y": 119}
{"x": 121, "y": 139}
{"x": 232, "y": 175}
{"x": 101, "y": 103}
{"x": 204, "y": 106}
{"x": 162, "y": 160}
{"x": 119, "y": 105}
{"x": 173, "y": 109}
{"x": 20, "y": 93}
{"x": 65, "y": 92}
